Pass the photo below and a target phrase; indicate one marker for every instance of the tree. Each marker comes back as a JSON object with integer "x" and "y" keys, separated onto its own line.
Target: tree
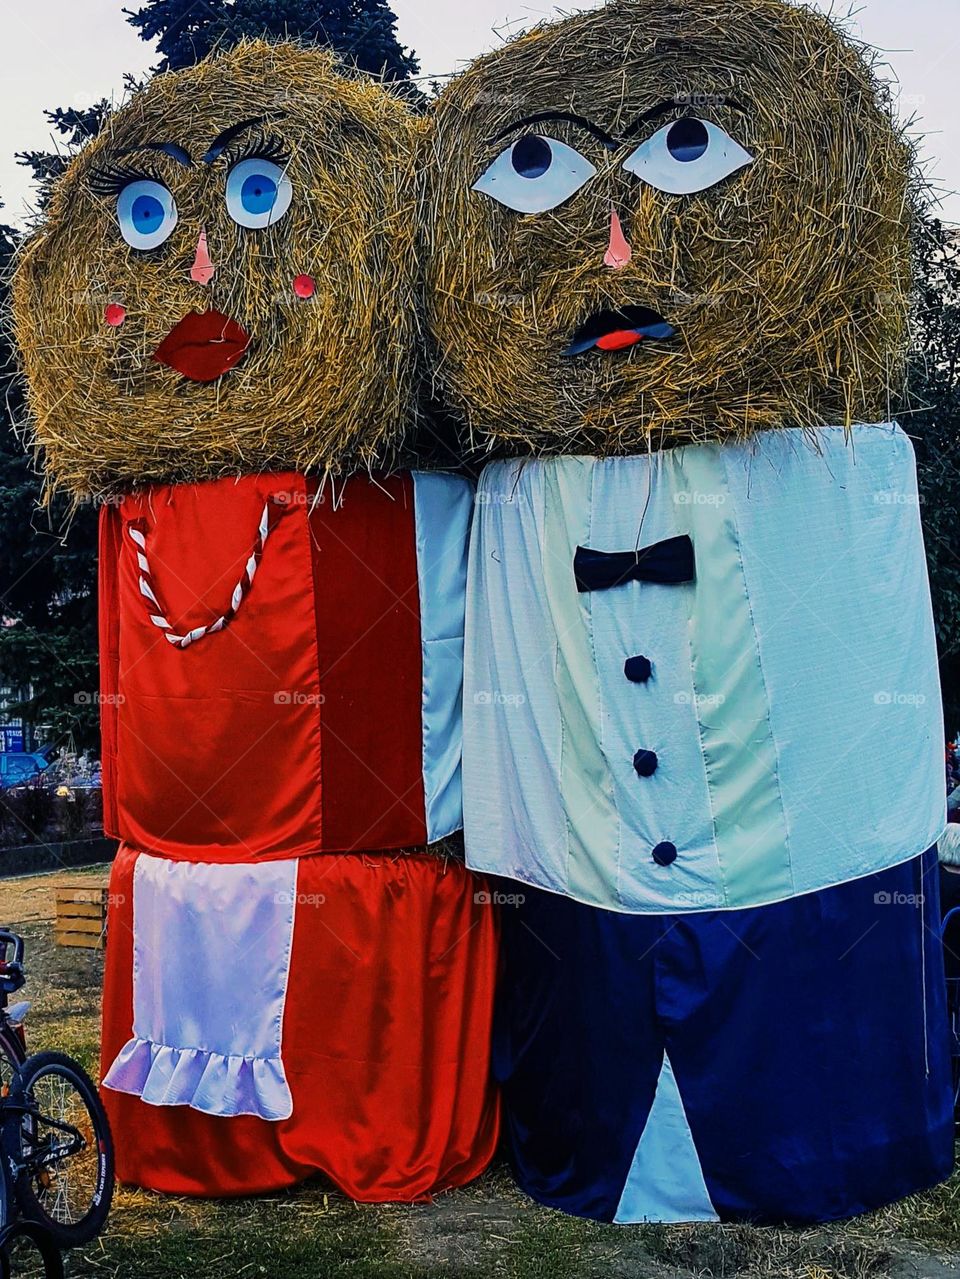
{"x": 932, "y": 418}
{"x": 48, "y": 632}
{"x": 361, "y": 31}
{"x": 75, "y": 127}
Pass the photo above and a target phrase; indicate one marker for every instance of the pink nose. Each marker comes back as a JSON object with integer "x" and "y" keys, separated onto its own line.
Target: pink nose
{"x": 203, "y": 268}
{"x": 618, "y": 252}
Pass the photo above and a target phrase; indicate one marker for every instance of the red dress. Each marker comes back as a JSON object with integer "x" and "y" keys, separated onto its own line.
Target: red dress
{"x": 288, "y": 988}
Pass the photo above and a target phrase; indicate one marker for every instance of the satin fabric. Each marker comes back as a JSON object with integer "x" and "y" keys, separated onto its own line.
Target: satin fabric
{"x": 808, "y": 1042}
{"x": 189, "y": 1047}
{"x": 322, "y": 717}
{"x": 807, "y": 631}
{"x": 444, "y": 508}
{"x": 386, "y": 1042}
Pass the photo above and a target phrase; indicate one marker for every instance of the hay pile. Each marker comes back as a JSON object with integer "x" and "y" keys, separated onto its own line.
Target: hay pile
{"x": 788, "y": 282}
{"x": 328, "y": 384}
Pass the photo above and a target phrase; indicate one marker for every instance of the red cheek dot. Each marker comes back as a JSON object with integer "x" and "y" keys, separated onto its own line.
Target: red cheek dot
{"x": 115, "y": 314}
{"x": 304, "y": 286}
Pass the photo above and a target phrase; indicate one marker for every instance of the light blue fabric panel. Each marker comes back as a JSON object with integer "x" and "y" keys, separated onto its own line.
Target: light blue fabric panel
{"x": 443, "y": 506}
{"x": 666, "y": 1181}
{"x": 514, "y": 822}
{"x": 737, "y": 738}
{"x": 661, "y": 715}
{"x": 794, "y": 705}
{"x": 836, "y": 575}
{"x": 585, "y": 778}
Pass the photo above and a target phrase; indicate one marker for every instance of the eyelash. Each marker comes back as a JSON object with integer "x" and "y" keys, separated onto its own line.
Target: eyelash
{"x": 112, "y": 180}
{"x": 260, "y": 147}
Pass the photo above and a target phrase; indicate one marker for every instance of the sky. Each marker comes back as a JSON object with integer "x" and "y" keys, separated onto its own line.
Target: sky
{"x": 74, "y": 52}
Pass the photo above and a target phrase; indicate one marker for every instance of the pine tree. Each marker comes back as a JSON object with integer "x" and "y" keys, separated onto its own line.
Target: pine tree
{"x": 933, "y": 420}
{"x": 75, "y": 127}
{"x": 48, "y": 639}
{"x": 361, "y": 31}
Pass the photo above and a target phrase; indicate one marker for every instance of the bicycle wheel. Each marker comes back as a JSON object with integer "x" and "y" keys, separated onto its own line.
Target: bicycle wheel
{"x": 28, "y": 1252}
{"x": 66, "y": 1182}
{"x": 12, "y": 1056}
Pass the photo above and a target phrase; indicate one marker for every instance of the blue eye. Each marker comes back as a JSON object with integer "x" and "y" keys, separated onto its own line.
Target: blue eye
{"x": 535, "y": 174}
{"x": 687, "y": 156}
{"x": 146, "y": 213}
{"x": 258, "y": 193}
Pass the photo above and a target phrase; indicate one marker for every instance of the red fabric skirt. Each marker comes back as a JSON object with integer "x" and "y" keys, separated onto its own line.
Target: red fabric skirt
{"x": 386, "y": 1042}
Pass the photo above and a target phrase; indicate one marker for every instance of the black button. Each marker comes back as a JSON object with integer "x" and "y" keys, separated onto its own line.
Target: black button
{"x": 645, "y": 762}
{"x": 638, "y": 669}
{"x": 665, "y": 854}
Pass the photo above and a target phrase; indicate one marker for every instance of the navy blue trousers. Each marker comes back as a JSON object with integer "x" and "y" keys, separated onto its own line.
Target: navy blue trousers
{"x": 808, "y": 1040}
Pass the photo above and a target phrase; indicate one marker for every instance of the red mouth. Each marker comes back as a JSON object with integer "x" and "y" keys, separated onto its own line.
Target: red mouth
{"x": 203, "y": 346}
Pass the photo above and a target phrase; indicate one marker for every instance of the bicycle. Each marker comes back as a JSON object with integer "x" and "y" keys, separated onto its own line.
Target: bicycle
{"x": 55, "y": 1143}
{"x": 26, "y": 1243}
{"x": 13, "y": 1045}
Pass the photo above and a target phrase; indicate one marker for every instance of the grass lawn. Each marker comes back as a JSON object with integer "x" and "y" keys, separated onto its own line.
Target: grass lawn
{"x": 487, "y": 1230}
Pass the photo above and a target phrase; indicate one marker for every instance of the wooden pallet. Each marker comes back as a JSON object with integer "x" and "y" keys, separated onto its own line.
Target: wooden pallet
{"x": 82, "y": 913}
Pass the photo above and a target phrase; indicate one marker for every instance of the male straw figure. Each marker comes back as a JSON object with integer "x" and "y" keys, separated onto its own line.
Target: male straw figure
{"x": 668, "y": 281}
{"x": 219, "y": 323}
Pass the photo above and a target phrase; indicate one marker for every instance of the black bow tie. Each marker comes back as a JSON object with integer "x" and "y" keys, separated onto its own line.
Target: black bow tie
{"x": 668, "y": 562}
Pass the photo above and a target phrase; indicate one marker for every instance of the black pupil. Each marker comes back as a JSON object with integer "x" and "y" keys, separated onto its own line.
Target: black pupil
{"x": 532, "y": 156}
{"x": 687, "y": 140}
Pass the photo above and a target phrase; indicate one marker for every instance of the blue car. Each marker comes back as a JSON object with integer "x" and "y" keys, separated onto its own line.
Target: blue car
{"x": 20, "y": 768}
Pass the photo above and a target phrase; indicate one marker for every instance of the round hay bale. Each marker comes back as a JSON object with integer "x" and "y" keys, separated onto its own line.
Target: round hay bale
{"x": 786, "y": 280}
{"x": 330, "y": 378}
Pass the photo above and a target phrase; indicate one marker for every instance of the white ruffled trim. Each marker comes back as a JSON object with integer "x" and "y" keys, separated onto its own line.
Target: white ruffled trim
{"x": 206, "y": 1081}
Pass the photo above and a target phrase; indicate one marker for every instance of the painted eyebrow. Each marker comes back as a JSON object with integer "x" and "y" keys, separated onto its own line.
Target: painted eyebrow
{"x": 566, "y": 116}
{"x": 166, "y": 148}
{"x": 223, "y": 140}
{"x": 671, "y": 104}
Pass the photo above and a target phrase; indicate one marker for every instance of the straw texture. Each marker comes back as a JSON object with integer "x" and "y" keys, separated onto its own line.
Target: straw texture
{"x": 329, "y": 383}
{"x": 788, "y": 282}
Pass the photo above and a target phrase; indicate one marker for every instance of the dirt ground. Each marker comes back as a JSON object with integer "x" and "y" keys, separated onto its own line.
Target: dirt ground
{"x": 488, "y": 1229}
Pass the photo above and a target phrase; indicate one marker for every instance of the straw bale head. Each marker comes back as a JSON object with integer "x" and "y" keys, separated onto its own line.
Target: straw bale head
{"x": 665, "y": 221}
{"x": 226, "y": 280}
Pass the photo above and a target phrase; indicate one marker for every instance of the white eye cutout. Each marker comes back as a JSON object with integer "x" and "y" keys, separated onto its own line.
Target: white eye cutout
{"x": 146, "y": 213}
{"x": 687, "y": 156}
{"x": 535, "y": 174}
{"x": 258, "y": 193}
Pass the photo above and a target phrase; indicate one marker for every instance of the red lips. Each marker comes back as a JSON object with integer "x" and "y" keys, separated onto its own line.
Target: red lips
{"x": 203, "y": 346}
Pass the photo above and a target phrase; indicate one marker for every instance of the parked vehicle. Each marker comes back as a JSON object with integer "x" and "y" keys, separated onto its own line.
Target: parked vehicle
{"x": 21, "y": 768}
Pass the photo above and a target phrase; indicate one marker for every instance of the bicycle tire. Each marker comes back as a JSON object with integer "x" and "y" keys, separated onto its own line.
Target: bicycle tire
{"x": 42, "y": 1241}
{"x": 67, "y": 1234}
